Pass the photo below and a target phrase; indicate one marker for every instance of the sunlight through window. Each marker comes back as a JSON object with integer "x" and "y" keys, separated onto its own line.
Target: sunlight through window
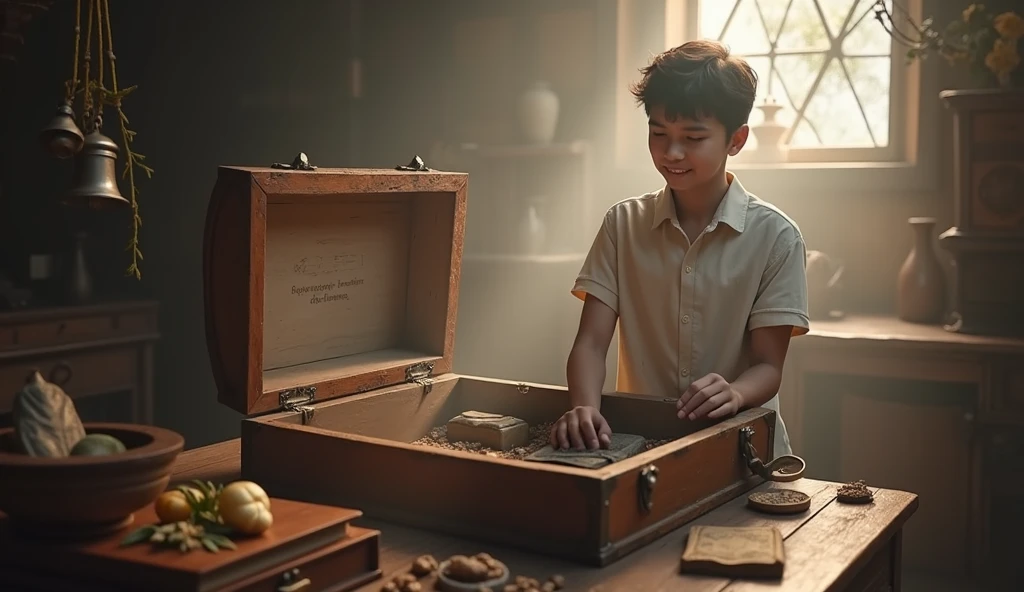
{"x": 827, "y": 62}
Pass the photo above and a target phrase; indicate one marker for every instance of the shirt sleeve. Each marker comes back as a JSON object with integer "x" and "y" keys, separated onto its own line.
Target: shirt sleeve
{"x": 599, "y": 275}
{"x": 782, "y": 295}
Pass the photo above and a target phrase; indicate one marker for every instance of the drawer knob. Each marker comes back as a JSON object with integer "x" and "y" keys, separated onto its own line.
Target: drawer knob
{"x": 61, "y": 374}
{"x": 292, "y": 581}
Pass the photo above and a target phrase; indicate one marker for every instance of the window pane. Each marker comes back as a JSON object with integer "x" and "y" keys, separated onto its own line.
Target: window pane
{"x": 867, "y": 38}
{"x": 773, "y": 12}
{"x": 797, "y": 74}
{"x": 870, "y": 77}
{"x": 804, "y": 136}
{"x": 803, "y": 29}
{"x": 745, "y": 34}
{"x": 836, "y": 14}
{"x": 834, "y": 112}
{"x": 713, "y": 16}
{"x": 789, "y": 43}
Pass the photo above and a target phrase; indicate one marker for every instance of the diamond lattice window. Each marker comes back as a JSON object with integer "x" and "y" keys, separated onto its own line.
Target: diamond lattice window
{"x": 828, "y": 62}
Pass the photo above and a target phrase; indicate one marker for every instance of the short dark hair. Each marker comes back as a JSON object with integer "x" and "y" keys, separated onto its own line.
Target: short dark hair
{"x": 699, "y": 79}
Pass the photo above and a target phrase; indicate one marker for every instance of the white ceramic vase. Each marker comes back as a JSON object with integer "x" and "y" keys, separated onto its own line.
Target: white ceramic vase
{"x": 769, "y": 135}
{"x": 538, "y": 113}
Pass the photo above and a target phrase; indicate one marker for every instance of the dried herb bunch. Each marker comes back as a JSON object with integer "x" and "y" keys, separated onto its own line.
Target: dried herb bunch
{"x": 95, "y": 95}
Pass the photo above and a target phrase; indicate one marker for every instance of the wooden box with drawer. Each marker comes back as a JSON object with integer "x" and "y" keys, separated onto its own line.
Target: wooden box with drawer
{"x": 987, "y": 239}
{"x": 330, "y": 301}
{"x": 88, "y": 350}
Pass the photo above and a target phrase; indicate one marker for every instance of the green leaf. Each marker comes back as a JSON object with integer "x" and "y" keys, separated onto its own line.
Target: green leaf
{"x": 210, "y": 545}
{"x": 139, "y": 535}
{"x": 221, "y": 540}
{"x": 190, "y": 496}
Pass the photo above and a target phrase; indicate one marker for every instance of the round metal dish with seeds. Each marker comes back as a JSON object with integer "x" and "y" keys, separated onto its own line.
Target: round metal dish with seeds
{"x": 855, "y": 493}
{"x": 779, "y": 501}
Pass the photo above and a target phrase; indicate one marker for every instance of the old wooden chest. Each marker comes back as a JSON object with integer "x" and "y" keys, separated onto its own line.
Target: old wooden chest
{"x": 331, "y": 299}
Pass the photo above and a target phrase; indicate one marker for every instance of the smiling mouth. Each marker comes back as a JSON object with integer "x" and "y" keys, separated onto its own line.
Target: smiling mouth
{"x": 677, "y": 171}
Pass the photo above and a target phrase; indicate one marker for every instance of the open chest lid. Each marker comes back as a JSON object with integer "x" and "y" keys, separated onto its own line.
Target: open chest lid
{"x": 324, "y": 283}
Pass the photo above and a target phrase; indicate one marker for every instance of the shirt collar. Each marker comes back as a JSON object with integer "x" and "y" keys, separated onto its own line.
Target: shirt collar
{"x": 732, "y": 210}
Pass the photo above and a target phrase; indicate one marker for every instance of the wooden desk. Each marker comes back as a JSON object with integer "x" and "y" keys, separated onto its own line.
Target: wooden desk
{"x": 921, "y": 409}
{"x": 97, "y": 349}
{"x": 832, "y": 546}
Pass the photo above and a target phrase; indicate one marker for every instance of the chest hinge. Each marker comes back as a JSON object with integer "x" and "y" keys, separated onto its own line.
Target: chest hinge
{"x": 293, "y": 399}
{"x": 420, "y": 374}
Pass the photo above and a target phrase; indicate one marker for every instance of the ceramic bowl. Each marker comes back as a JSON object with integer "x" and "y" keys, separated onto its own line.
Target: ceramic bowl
{"x": 86, "y": 496}
{"x": 447, "y": 584}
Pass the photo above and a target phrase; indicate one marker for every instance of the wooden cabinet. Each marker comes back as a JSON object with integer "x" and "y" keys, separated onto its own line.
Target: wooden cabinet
{"x": 921, "y": 409}
{"x": 88, "y": 350}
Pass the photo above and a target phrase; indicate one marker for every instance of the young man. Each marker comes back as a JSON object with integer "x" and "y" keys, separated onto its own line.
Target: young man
{"x": 705, "y": 280}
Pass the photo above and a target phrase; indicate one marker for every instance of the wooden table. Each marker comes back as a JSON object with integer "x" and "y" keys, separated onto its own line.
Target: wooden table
{"x": 832, "y": 546}
{"x": 918, "y": 408}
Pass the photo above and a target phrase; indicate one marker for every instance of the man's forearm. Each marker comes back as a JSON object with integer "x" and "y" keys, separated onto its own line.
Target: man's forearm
{"x": 758, "y": 385}
{"x": 585, "y": 373}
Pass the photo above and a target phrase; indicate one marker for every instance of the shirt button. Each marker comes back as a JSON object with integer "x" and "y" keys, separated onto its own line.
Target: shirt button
{"x": 688, "y": 269}
{"x": 686, "y": 319}
{"x": 684, "y": 372}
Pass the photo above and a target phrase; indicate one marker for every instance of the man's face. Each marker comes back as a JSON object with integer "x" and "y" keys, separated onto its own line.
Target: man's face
{"x": 690, "y": 152}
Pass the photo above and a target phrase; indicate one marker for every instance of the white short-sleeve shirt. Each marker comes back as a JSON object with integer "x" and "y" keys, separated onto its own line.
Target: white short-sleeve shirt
{"x": 685, "y": 309}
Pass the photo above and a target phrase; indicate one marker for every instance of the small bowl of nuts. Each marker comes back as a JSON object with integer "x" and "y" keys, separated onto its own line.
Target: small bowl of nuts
{"x": 461, "y": 573}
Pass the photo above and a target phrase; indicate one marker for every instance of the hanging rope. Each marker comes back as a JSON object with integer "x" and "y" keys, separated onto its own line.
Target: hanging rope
{"x": 99, "y": 65}
{"x": 114, "y": 97}
{"x": 72, "y": 87}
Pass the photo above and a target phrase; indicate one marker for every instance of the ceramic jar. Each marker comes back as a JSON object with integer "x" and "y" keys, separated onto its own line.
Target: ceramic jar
{"x": 922, "y": 283}
{"x": 538, "y": 113}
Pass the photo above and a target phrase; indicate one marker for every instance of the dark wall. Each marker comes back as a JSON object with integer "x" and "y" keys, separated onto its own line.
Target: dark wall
{"x": 252, "y": 82}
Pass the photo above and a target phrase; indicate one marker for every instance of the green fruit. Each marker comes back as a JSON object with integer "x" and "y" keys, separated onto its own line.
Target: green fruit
{"x": 97, "y": 445}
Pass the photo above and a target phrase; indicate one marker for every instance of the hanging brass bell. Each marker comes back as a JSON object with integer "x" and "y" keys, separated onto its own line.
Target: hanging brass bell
{"x": 95, "y": 178}
{"x": 61, "y": 137}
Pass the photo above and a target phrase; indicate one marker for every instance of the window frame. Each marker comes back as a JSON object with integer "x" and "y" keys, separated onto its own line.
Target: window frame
{"x": 911, "y": 159}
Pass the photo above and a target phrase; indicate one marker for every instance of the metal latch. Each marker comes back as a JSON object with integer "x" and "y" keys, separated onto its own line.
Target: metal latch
{"x": 786, "y": 468}
{"x": 420, "y": 374}
{"x": 293, "y": 399}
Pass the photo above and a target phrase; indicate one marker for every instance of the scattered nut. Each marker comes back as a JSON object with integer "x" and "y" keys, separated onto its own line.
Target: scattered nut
{"x": 406, "y": 578}
{"x": 510, "y": 588}
{"x": 548, "y": 587}
{"x": 558, "y": 580}
{"x": 389, "y": 587}
{"x": 424, "y": 565}
{"x": 467, "y": 569}
{"x": 413, "y": 586}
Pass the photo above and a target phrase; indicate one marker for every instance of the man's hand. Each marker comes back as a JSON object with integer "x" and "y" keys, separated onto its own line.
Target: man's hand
{"x": 581, "y": 428}
{"x": 710, "y": 396}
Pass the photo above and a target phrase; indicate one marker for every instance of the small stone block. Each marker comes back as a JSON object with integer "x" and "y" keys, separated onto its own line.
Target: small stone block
{"x": 495, "y": 431}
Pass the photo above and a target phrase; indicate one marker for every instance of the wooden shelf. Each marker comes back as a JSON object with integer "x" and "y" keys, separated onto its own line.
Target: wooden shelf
{"x": 524, "y": 259}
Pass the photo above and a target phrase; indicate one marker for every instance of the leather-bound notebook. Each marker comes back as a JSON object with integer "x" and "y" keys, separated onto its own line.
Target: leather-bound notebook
{"x": 734, "y": 552}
